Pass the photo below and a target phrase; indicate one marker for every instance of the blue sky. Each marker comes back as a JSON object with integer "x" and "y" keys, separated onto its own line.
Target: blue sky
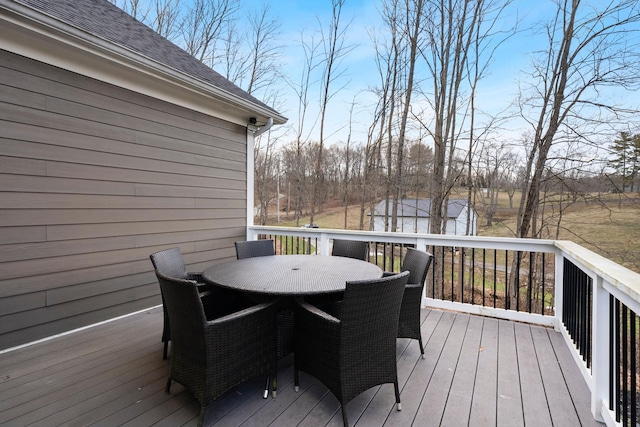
{"x": 496, "y": 92}
{"x": 304, "y": 17}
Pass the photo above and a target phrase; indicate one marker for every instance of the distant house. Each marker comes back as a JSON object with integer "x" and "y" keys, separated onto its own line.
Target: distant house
{"x": 414, "y": 216}
{"x": 114, "y": 143}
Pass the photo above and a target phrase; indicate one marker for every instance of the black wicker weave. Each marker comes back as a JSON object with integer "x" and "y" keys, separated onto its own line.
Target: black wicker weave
{"x": 262, "y": 248}
{"x": 170, "y": 263}
{"x": 209, "y": 357}
{"x": 254, "y": 248}
{"x": 417, "y": 263}
{"x": 356, "y": 350}
{"x": 350, "y": 249}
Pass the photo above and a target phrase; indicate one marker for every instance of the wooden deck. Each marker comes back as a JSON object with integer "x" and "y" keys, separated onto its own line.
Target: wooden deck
{"x": 477, "y": 372}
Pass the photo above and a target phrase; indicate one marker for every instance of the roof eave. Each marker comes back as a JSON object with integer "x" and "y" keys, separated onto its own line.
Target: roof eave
{"x": 54, "y": 42}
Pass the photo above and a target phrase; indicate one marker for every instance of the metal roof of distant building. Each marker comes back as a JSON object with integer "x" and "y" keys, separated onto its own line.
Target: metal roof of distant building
{"x": 420, "y": 208}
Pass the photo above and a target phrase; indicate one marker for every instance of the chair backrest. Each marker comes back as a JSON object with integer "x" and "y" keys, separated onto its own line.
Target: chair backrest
{"x": 369, "y": 314}
{"x": 254, "y": 248}
{"x": 186, "y": 315}
{"x": 170, "y": 263}
{"x": 350, "y": 249}
{"x": 417, "y": 263}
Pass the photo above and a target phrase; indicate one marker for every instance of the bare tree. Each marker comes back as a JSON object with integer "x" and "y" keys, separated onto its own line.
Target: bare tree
{"x": 204, "y": 25}
{"x": 588, "y": 48}
{"x": 335, "y": 49}
{"x": 301, "y": 88}
{"x": 462, "y": 41}
{"x": 138, "y": 9}
{"x": 459, "y": 42}
{"x": 493, "y": 162}
{"x": 412, "y": 27}
{"x": 251, "y": 54}
{"x": 166, "y": 21}
{"x": 347, "y": 168}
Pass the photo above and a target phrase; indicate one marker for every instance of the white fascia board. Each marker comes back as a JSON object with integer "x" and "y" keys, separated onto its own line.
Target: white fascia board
{"x": 48, "y": 40}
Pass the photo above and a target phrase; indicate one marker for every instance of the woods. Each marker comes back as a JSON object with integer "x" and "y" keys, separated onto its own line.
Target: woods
{"x": 429, "y": 122}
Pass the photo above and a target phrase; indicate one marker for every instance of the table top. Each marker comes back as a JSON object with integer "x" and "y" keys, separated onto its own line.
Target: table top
{"x": 291, "y": 274}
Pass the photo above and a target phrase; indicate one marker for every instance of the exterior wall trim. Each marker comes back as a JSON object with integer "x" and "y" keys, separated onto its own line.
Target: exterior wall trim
{"x": 47, "y": 40}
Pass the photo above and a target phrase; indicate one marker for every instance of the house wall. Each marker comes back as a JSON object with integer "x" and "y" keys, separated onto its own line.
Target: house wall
{"x": 93, "y": 179}
{"x": 458, "y": 225}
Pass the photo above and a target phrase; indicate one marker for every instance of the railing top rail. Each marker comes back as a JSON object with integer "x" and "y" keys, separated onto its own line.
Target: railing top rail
{"x": 501, "y": 243}
{"x": 620, "y": 277}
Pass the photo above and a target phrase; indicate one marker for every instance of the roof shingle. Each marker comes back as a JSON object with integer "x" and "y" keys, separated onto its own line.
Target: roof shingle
{"x": 103, "y": 19}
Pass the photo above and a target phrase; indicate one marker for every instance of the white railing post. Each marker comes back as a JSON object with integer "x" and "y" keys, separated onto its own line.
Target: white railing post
{"x": 422, "y": 245}
{"x": 558, "y": 289}
{"x": 600, "y": 348}
{"x": 324, "y": 244}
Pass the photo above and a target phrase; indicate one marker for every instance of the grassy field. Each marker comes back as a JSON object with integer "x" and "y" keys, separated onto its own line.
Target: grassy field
{"x": 611, "y": 229}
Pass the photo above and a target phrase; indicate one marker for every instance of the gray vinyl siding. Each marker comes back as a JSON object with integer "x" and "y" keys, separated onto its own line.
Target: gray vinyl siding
{"x": 94, "y": 178}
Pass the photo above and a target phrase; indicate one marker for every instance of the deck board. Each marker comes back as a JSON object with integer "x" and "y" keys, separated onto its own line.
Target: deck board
{"x": 484, "y": 404}
{"x": 509, "y": 398}
{"x": 437, "y": 392}
{"x": 477, "y": 371}
{"x": 459, "y": 400}
{"x": 534, "y": 404}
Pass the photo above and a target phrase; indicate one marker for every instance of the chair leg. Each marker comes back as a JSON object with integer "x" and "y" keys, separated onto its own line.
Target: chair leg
{"x": 203, "y": 415}
{"x": 345, "y": 420}
{"x": 168, "y": 387}
{"x": 266, "y": 387}
{"x": 296, "y": 380}
{"x": 166, "y": 350}
{"x": 274, "y": 389}
{"x": 397, "y": 389}
{"x": 421, "y": 346}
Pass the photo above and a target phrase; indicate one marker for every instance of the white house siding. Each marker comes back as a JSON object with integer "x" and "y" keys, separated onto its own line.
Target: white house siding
{"x": 407, "y": 224}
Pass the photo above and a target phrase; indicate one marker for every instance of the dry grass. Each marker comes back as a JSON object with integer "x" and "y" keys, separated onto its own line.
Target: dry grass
{"x": 611, "y": 230}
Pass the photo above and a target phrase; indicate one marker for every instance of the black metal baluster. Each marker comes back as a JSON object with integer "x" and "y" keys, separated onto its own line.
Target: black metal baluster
{"x": 442, "y": 270}
{"x": 462, "y": 262}
{"x": 453, "y": 275}
{"x": 589, "y": 320}
{"x": 544, "y": 294}
{"x": 517, "y": 279}
{"x": 612, "y": 353}
{"x": 507, "y": 299}
{"x": 530, "y": 286}
{"x": 632, "y": 356}
{"x": 495, "y": 276}
{"x": 473, "y": 276}
{"x": 484, "y": 273}
{"x": 625, "y": 367}
{"x": 618, "y": 359}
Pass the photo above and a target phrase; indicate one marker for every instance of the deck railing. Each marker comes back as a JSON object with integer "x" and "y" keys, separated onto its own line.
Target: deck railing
{"x": 591, "y": 300}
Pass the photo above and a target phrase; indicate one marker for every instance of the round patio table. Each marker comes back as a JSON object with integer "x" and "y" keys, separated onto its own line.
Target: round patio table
{"x": 291, "y": 275}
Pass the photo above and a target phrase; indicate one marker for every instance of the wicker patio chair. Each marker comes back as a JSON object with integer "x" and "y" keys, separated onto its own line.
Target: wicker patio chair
{"x": 211, "y": 355}
{"x": 355, "y": 349}
{"x": 417, "y": 263}
{"x": 170, "y": 263}
{"x": 284, "y": 321}
{"x": 254, "y": 248}
{"x": 350, "y": 249}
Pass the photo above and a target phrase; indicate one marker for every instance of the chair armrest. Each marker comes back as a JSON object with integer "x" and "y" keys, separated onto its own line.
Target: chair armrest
{"x": 315, "y": 311}
{"x": 196, "y": 276}
{"x": 247, "y": 312}
{"x": 412, "y": 288}
{"x": 243, "y": 340}
{"x": 388, "y": 273}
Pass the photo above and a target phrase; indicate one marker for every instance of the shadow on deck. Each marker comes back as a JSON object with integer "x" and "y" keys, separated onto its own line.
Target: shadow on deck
{"x": 477, "y": 371}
